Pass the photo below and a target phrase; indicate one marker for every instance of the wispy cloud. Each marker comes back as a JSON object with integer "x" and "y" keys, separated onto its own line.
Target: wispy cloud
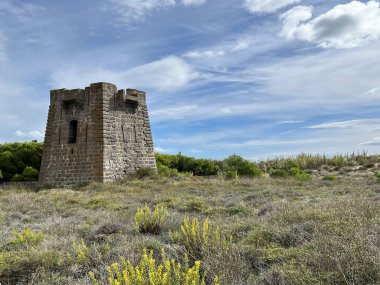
{"x": 21, "y": 10}
{"x": 369, "y": 124}
{"x": 29, "y": 134}
{"x": 373, "y": 142}
{"x": 241, "y": 44}
{"x": 267, "y": 6}
{"x": 161, "y": 150}
{"x": 165, "y": 74}
{"x": 137, "y": 10}
{"x": 344, "y": 26}
{"x": 202, "y": 54}
{"x": 193, "y": 2}
{"x": 330, "y": 78}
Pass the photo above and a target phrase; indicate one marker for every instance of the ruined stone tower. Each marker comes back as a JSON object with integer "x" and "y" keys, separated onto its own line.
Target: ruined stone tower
{"x": 98, "y": 134}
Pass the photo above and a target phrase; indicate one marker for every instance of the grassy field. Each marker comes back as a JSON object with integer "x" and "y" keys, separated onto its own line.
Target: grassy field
{"x": 274, "y": 231}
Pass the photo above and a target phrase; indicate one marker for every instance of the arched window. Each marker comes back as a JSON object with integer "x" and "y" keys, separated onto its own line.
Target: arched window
{"x": 73, "y": 130}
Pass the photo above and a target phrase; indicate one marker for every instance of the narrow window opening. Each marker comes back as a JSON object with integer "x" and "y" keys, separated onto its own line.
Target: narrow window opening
{"x": 73, "y": 132}
{"x": 122, "y": 132}
{"x": 72, "y": 151}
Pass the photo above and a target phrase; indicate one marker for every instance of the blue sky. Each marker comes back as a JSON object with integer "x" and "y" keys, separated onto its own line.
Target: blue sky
{"x": 259, "y": 78}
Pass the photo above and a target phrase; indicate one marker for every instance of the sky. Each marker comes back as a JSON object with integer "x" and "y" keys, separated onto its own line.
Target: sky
{"x": 257, "y": 78}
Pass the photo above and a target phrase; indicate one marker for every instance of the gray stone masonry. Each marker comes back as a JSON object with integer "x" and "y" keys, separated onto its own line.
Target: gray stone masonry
{"x": 96, "y": 134}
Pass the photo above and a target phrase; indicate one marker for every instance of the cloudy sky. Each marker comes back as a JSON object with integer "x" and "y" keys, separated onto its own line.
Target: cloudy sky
{"x": 259, "y": 78}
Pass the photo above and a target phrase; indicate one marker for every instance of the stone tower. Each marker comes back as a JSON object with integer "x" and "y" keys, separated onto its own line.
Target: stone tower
{"x": 96, "y": 134}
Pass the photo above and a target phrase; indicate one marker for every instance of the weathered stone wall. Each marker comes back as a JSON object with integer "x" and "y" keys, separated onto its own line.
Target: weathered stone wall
{"x": 113, "y": 138}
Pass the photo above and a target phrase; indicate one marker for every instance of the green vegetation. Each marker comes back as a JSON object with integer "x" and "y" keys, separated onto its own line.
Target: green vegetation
{"x": 169, "y": 272}
{"x": 150, "y": 222}
{"x": 181, "y": 163}
{"x": 249, "y": 231}
{"x": 20, "y": 161}
{"x": 309, "y": 219}
{"x": 329, "y": 177}
{"x": 27, "y": 236}
{"x": 199, "y": 239}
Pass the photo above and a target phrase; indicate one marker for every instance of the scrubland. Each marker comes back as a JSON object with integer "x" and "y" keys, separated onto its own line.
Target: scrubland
{"x": 251, "y": 231}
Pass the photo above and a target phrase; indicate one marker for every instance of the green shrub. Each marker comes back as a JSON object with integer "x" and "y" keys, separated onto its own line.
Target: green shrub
{"x": 165, "y": 171}
{"x": 278, "y": 173}
{"x": 145, "y": 172}
{"x": 81, "y": 254}
{"x": 194, "y": 205}
{"x": 15, "y": 157}
{"x": 286, "y": 168}
{"x": 329, "y": 177}
{"x": 152, "y": 222}
{"x": 147, "y": 271}
{"x": 20, "y": 266}
{"x": 17, "y": 178}
{"x": 30, "y": 174}
{"x": 181, "y": 163}
{"x": 241, "y": 166}
{"x": 27, "y": 237}
{"x": 377, "y": 175}
{"x": 303, "y": 176}
{"x": 231, "y": 175}
{"x": 199, "y": 239}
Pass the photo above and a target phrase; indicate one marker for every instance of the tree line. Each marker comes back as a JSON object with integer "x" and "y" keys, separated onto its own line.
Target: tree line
{"x": 22, "y": 161}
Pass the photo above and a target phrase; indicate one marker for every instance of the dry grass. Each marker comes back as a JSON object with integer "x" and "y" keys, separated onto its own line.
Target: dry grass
{"x": 282, "y": 231}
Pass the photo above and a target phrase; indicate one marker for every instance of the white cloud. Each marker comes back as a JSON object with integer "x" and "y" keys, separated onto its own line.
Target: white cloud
{"x": 133, "y": 10}
{"x": 172, "y": 113}
{"x": 373, "y": 142}
{"x": 19, "y": 10}
{"x": 29, "y": 135}
{"x": 202, "y": 54}
{"x": 166, "y": 74}
{"x": 344, "y": 26}
{"x": 267, "y": 6}
{"x": 328, "y": 79}
{"x": 161, "y": 150}
{"x": 369, "y": 124}
{"x": 241, "y": 45}
{"x": 193, "y": 2}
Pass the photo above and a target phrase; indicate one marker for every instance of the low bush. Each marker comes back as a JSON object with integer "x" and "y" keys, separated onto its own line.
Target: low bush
{"x": 181, "y": 163}
{"x": 82, "y": 255}
{"x": 231, "y": 175}
{"x": 288, "y": 168}
{"x": 147, "y": 271}
{"x": 199, "y": 238}
{"x": 17, "y": 267}
{"x": 27, "y": 237}
{"x": 278, "y": 173}
{"x": 150, "y": 222}
{"x": 240, "y": 166}
{"x": 303, "y": 176}
{"x": 329, "y": 177}
{"x": 145, "y": 172}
